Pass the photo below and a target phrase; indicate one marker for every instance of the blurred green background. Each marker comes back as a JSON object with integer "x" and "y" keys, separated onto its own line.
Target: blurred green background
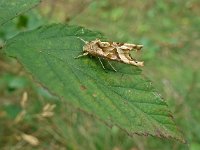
{"x": 31, "y": 118}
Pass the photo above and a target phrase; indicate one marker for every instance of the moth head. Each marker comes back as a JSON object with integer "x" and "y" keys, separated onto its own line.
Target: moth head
{"x": 104, "y": 44}
{"x": 90, "y": 46}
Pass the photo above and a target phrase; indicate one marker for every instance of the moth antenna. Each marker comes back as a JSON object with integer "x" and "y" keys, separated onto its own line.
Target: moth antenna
{"x": 83, "y": 40}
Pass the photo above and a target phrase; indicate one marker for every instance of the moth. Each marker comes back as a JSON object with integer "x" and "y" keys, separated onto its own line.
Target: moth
{"x": 111, "y": 51}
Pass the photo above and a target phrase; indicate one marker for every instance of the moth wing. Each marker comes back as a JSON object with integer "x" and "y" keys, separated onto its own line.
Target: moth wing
{"x": 131, "y": 46}
{"x": 123, "y": 55}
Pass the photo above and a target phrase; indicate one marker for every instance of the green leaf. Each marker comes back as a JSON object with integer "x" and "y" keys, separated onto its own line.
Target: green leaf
{"x": 123, "y": 98}
{"x": 12, "y": 8}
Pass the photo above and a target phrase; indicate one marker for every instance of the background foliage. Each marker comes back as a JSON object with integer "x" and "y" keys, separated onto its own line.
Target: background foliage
{"x": 169, "y": 31}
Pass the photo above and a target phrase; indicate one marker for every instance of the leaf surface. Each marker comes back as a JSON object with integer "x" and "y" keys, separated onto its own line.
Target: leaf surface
{"x": 124, "y": 98}
{"x": 12, "y": 8}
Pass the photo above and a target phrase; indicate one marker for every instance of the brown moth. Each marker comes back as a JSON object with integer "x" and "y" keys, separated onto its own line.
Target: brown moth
{"x": 111, "y": 51}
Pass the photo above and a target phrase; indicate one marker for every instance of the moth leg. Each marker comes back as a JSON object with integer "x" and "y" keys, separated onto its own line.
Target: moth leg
{"x": 102, "y": 64}
{"x": 83, "y": 40}
{"x": 112, "y": 66}
{"x": 84, "y": 54}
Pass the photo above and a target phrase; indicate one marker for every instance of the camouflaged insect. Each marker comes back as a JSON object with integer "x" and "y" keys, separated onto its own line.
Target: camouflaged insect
{"x": 112, "y": 51}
